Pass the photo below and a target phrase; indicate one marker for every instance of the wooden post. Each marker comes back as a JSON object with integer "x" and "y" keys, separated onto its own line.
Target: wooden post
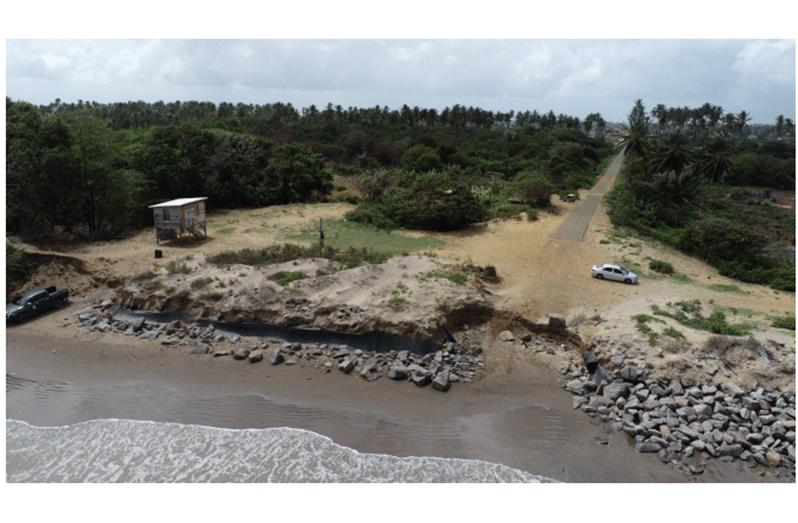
{"x": 321, "y": 239}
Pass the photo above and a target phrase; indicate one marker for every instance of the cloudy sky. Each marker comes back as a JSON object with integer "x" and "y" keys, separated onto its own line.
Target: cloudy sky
{"x": 566, "y": 75}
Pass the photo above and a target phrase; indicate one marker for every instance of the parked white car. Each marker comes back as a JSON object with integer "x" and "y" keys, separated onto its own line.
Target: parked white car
{"x": 608, "y": 271}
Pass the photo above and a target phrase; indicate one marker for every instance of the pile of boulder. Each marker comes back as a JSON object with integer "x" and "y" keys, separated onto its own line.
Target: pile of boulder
{"x": 680, "y": 418}
{"x": 452, "y": 363}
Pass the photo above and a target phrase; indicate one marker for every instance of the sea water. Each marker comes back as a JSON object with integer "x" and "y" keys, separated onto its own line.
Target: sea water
{"x": 130, "y": 451}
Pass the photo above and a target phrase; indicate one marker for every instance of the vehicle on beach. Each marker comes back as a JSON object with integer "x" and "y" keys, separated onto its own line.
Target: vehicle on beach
{"x": 36, "y": 301}
{"x": 607, "y": 271}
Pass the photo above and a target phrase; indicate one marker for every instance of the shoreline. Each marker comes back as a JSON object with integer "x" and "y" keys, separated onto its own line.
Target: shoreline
{"x": 526, "y": 423}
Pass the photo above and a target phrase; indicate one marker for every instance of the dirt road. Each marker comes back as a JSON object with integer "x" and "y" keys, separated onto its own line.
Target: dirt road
{"x": 574, "y": 227}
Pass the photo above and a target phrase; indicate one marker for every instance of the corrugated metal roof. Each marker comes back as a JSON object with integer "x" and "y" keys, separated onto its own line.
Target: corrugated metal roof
{"x": 179, "y": 202}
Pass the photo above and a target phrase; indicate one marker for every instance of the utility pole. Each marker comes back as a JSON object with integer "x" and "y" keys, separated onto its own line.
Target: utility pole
{"x": 321, "y": 239}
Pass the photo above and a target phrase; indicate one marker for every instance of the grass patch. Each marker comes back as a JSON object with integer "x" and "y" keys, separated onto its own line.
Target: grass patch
{"x": 212, "y": 296}
{"x": 177, "y": 268}
{"x": 283, "y": 278}
{"x": 673, "y": 333}
{"x": 786, "y": 322}
{"x": 348, "y": 258}
{"x": 726, "y": 288}
{"x": 225, "y": 230}
{"x": 344, "y": 235}
{"x": 148, "y": 275}
{"x": 642, "y": 322}
{"x": 715, "y": 322}
{"x": 396, "y": 300}
{"x": 454, "y": 276}
{"x": 200, "y": 282}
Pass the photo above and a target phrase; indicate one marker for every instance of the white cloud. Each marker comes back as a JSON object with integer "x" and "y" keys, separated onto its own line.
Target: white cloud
{"x": 764, "y": 62}
{"x": 574, "y": 77}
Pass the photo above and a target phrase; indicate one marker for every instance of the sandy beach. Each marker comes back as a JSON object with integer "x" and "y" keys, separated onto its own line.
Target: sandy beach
{"x": 60, "y": 375}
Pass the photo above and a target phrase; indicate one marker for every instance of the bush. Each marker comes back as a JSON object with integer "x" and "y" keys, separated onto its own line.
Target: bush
{"x": 534, "y": 188}
{"x": 18, "y": 266}
{"x": 431, "y": 201}
{"x": 456, "y": 277}
{"x": 148, "y": 275}
{"x": 673, "y": 333}
{"x": 283, "y": 278}
{"x": 177, "y": 268}
{"x": 507, "y": 210}
{"x": 200, "y": 282}
{"x": 787, "y": 322}
{"x": 421, "y": 158}
{"x": 661, "y": 267}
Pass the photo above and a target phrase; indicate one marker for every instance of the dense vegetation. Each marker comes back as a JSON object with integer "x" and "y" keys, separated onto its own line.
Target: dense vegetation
{"x": 90, "y": 170}
{"x": 692, "y": 190}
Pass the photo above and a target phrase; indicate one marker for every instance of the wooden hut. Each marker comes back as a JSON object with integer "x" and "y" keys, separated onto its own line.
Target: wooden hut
{"x": 177, "y": 217}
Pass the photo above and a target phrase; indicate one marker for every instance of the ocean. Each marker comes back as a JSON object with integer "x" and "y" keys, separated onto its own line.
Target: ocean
{"x": 132, "y": 451}
{"x": 128, "y": 431}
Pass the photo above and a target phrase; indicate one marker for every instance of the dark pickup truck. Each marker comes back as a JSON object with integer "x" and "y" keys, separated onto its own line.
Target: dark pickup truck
{"x": 33, "y": 302}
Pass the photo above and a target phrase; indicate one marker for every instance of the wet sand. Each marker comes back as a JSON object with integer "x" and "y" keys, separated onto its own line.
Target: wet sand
{"x": 63, "y": 376}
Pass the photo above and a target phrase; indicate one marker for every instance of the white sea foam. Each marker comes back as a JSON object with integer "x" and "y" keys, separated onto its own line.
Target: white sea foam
{"x": 129, "y": 451}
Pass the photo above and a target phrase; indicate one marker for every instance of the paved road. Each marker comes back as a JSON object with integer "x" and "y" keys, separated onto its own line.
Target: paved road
{"x": 574, "y": 227}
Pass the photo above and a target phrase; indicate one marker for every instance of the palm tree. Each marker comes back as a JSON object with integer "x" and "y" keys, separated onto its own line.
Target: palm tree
{"x": 661, "y": 114}
{"x": 714, "y": 114}
{"x": 779, "y": 124}
{"x": 712, "y": 161}
{"x": 671, "y": 153}
{"x": 634, "y": 143}
{"x": 672, "y": 193}
{"x": 742, "y": 119}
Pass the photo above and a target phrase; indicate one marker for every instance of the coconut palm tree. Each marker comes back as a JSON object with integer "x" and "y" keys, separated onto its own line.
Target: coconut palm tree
{"x": 671, "y": 152}
{"x": 672, "y": 194}
{"x": 634, "y": 143}
{"x": 742, "y": 120}
{"x": 661, "y": 114}
{"x": 712, "y": 161}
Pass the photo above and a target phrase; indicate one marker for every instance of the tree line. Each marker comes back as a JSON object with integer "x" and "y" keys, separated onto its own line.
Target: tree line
{"x": 680, "y": 186}
{"x": 257, "y": 117}
{"x": 92, "y": 169}
{"x": 73, "y": 173}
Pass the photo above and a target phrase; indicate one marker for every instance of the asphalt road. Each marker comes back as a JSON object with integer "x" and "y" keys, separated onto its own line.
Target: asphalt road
{"x": 574, "y": 227}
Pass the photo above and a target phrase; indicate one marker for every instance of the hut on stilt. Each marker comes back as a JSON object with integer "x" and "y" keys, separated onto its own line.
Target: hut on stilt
{"x": 177, "y": 217}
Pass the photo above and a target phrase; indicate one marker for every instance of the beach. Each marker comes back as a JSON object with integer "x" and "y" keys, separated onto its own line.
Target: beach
{"x": 58, "y": 377}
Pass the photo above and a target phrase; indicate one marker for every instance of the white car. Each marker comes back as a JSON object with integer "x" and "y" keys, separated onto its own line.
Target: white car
{"x": 607, "y": 271}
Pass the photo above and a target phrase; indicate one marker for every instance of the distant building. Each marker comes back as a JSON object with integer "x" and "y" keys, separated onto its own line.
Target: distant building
{"x": 177, "y": 217}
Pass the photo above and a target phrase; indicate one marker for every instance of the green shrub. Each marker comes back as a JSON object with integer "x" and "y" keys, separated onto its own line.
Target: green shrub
{"x": 283, "y": 278}
{"x": 212, "y": 296}
{"x": 177, "y": 268}
{"x": 200, "y": 282}
{"x": 372, "y": 213}
{"x": 673, "y": 333}
{"x": 148, "y": 275}
{"x": 18, "y": 266}
{"x": 661, "y": 267}
{"x": 534, "y": 188}
{"x": 787, "y": 322}
{"x": 421, "y": 158}
{"x": 509, "y": 210}
{"x": 457, "y": 277}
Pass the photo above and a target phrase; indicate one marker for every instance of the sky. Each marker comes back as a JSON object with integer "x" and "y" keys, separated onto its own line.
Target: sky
{"x": 573, "y": 76}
